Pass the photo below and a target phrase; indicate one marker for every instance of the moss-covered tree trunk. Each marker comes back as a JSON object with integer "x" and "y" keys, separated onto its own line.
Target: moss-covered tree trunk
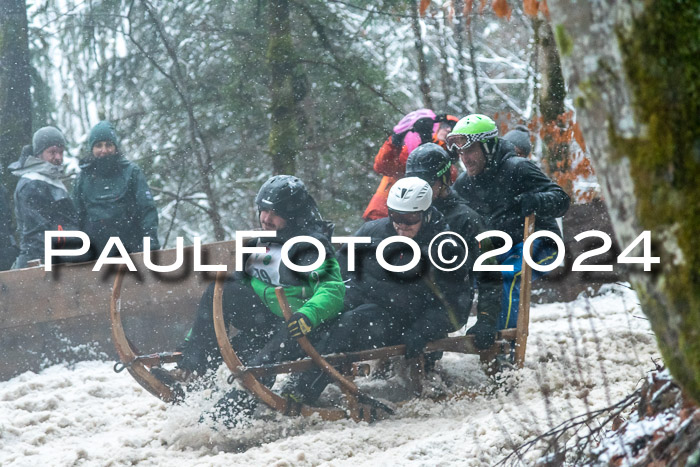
{"x": 280, "y": 55}
{"x": 15, "y": 81}
{"x": 633, "y": 70}
{"x": 551, "y": 100}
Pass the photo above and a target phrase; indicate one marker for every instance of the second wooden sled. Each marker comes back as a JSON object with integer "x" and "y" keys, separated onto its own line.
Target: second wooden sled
{"x": 511, "y": 342}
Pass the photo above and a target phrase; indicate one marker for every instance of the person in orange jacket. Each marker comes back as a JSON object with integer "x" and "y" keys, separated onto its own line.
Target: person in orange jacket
{"x": 416, "y": 128}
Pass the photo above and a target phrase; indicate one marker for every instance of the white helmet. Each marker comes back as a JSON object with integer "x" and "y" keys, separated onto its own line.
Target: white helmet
{"x": 410, "y": 194}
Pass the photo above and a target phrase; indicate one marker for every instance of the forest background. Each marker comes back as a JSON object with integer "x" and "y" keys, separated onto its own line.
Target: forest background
{"x": 212, "y": 97}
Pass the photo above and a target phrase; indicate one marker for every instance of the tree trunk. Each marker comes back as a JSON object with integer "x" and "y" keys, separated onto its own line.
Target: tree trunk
{"x": 15, "y": 81}
{"x": 472, "y": 61}
{"x": 552, "y": 94}
{"x": 424, "y": 86}
{"x": 633, "y": 72}
{"x": 280, "y": 55}
{"x": 459, "y": 22}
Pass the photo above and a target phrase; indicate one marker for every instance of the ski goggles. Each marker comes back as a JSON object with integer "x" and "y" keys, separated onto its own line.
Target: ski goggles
{"x": 459, "y": 141}
{"x": 405, "y": 218}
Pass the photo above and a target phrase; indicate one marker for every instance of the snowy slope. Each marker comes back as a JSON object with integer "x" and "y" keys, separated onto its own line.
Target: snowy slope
{"x": 581, "y": 355}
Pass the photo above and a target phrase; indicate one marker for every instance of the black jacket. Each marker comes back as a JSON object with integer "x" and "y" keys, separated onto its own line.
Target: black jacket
{"x": 425, "y": 299}
{"x": 8, "y": 246}
{"x": 493, "y": 193}
{"x": 113, "y": 199}
{"x": 40, "y": 206}
{"x": 468, "y": 223}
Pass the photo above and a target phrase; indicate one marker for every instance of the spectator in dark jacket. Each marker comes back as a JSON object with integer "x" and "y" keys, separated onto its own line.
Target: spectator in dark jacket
{"x": 41, "y": 199}
{"x": 519, "y": 137}
{"x": 504, "y": 189}
{"x": 112, "y": 196}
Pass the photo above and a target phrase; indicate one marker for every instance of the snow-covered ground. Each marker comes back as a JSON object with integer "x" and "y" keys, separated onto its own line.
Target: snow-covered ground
{"x": 581, "y": 355}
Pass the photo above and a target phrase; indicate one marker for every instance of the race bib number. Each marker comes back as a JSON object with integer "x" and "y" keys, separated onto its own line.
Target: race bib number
{"x": 266, "y": 266}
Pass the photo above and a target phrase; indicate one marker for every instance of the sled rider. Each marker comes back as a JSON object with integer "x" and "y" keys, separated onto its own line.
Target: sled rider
{"x": 387, "y": 308}
{"x": 249, "y": 302}
{"x": 504, "y": 188}
{"x": 432, "y": 163}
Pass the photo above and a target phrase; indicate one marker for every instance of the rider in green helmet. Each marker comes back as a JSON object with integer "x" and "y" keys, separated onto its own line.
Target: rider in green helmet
{"x": 473, "y": 129}
{"x": 504, "y": 189}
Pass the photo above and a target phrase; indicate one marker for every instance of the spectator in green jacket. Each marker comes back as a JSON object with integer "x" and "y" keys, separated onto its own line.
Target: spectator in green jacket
{"x": 112, "y": 196}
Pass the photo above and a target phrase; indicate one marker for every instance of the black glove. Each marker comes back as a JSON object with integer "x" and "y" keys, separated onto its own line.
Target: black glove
{"x": 397, "y": 139}
{"x": 424, "y": 127}
{"x": 484, "y": 334}
{"x": 414, "y": 344}
{"x": 299, "y": 325}
{"x": 528, "y": 203}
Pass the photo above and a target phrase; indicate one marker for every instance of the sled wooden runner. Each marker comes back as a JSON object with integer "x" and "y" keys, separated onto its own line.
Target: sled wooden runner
{"x": 128, "y": 356}
{"x": 350, "y": 389}
{"x": 248, "y": 379}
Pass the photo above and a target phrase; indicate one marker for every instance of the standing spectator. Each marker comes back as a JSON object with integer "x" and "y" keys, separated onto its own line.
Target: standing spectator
{"x": 41, "y": 199}
{"x": 520, "y": 138}
{"x": 504, "y": 189}
{"x": 112, "y": 196}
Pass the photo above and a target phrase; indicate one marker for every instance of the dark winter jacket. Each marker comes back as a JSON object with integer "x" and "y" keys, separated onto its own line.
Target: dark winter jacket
{"x": 428, "y": 301}
{"x": 317, "y": 294}
{"x": 41, "y": 203}
{"x": 493, "y": 193}
{"x": 113, "y": 200}
{"x": 8, "y": 246}
{"x": 465, "y": 221}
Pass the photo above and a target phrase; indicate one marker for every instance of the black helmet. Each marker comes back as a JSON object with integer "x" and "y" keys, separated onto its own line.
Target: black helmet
{"x": 429, "y": 162}
{"x": 288, "y": 197}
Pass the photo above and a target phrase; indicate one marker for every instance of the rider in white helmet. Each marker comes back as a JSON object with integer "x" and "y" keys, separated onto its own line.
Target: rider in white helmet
{"x": 386, "y": 308}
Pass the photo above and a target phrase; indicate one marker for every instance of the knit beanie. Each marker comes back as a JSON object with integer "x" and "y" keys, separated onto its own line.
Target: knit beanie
{"x": 520, "y": 138}
{"x": 103, "y": 131}
{"x": 46, "y": 137}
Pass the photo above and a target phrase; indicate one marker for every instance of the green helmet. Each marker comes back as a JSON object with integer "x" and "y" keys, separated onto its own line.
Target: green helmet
{"x": 471, "y": 129}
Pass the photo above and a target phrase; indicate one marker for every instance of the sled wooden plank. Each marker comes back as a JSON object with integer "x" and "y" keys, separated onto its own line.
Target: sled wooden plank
{"x": 523, "y": 324}
{"x": 460, "y": 344}
{"x": 33, "y": 295}
{"x": 44, "y": 314}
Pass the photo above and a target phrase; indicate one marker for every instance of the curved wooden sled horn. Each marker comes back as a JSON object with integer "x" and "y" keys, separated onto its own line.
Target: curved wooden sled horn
{"x": 348, "y": 387}
{"x": 127, "y": 354}
{"x": 248, "y": 380}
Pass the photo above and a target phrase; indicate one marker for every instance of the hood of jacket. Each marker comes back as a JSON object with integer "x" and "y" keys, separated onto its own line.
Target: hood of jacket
{"x": 35, "y": 165}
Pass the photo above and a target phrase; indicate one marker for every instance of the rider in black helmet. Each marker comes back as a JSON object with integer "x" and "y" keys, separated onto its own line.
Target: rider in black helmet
{"x": 249, "y": 301}
{"x": 432, "y": 163}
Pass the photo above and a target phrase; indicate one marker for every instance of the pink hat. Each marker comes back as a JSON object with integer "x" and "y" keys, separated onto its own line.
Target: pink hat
{"x": 407, "y": 122}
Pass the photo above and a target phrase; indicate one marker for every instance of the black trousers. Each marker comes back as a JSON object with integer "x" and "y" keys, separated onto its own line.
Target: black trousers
{"x": 366, "y": 327}
{"x": 261, "y": 337}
